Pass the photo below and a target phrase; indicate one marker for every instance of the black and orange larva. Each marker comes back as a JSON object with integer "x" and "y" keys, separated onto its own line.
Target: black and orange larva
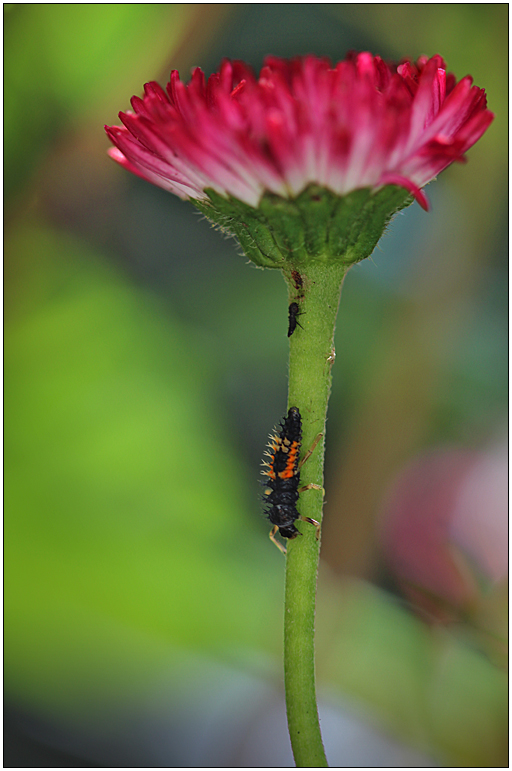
{"x": 283, "y": 472}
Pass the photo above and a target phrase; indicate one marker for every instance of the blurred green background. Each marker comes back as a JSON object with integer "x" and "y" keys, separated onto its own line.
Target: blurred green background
{"x": 145, "y": 364}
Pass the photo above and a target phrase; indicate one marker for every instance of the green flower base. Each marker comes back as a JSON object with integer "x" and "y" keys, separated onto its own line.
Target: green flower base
{"x": 317, "y": 226}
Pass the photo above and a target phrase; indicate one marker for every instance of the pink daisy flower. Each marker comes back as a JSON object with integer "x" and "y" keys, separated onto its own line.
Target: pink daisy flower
{"x": 361, "y": 124}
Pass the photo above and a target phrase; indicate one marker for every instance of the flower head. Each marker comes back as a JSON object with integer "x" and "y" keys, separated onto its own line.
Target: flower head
{"x": 360, "y": 124}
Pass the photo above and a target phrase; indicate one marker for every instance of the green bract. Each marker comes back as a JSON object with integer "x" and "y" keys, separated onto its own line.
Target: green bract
{"x": 317, "y": 226}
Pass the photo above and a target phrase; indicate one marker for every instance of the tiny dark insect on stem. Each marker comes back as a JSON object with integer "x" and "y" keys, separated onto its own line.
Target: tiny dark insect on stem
{"x": 297, "y": 280}
{"x": 293, "y": 314}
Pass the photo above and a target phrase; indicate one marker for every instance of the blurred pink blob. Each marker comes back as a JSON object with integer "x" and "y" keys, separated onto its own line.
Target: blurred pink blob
{"x": 444, "y": 529}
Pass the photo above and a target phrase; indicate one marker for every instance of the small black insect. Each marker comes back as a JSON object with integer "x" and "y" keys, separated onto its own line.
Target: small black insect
{"x": 293, "y": 313}
{"x": 283, "y": 472}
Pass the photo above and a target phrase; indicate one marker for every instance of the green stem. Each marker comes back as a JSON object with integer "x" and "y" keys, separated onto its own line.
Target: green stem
{"x": 311, "y": 359}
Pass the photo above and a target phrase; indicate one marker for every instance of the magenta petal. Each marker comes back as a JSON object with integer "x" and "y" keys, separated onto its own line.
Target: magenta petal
{"x": 396, "y": 179}
{"x": 360, "y": 123}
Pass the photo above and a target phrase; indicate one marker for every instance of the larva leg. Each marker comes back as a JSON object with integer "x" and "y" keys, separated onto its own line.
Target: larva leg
{"x": 310, "y": 451}
{"x": 272, "y": 536}
{"x": 315, "y": 523}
